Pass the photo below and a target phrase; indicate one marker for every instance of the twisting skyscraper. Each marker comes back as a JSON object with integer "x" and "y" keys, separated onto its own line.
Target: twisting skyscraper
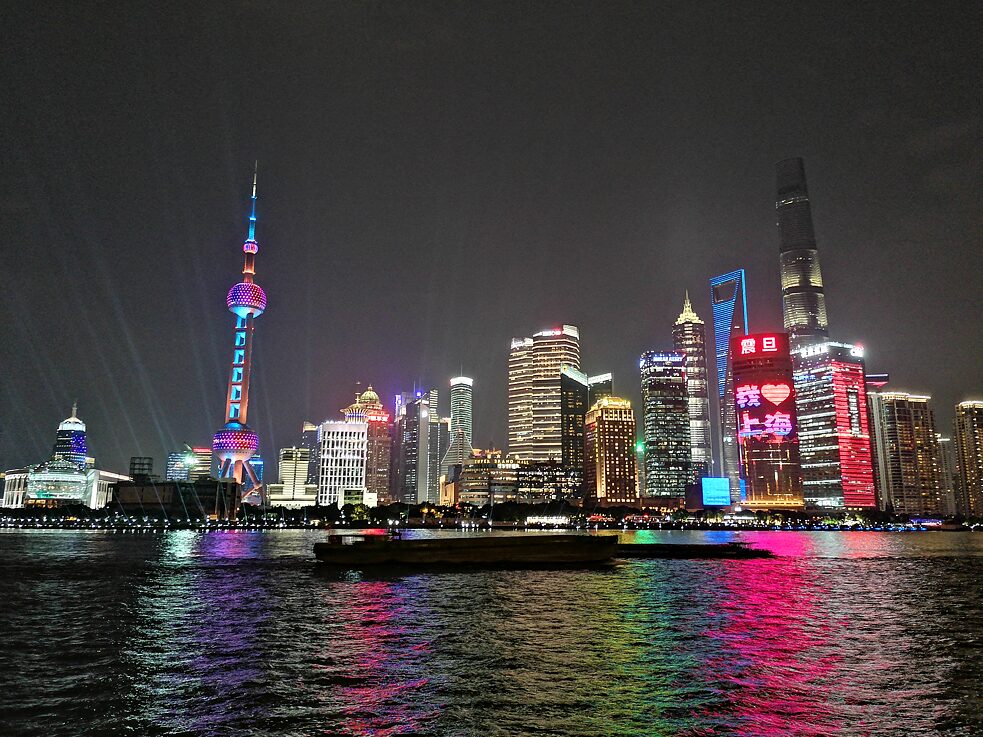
{"x": 803, "y": 299}
{"x": 689, "y": 338}
{"x": 234, "y": 444}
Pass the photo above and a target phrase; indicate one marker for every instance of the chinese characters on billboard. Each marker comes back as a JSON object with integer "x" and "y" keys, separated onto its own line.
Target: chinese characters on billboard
{"x": 764, "y": 399}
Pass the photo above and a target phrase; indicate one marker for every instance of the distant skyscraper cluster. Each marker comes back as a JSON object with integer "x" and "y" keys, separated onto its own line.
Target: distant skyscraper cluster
{"x": 766, "y": 420}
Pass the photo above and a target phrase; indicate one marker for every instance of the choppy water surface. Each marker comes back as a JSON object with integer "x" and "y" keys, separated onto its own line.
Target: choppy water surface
{"x": 239, "y": 634}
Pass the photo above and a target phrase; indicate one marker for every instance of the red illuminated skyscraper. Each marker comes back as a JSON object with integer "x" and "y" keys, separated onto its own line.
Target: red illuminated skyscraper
{"x": 234, "y": 444}
{"x": 831, "y": 387}
{"x": 767, "y": 432}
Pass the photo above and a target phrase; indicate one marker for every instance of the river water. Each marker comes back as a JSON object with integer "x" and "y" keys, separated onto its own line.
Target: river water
{"x": 845, "y": 633}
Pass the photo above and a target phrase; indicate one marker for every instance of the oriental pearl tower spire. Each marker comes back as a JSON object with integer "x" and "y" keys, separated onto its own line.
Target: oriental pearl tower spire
{"x": 234, "y": 444}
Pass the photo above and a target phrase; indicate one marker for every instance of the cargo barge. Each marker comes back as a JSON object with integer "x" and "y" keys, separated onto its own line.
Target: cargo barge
{"x": 490, "y": 550}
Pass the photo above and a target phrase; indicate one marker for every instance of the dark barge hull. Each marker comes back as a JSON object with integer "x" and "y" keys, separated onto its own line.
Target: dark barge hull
{"x": 690, "y": 551}
{"x": 493, "y": 550}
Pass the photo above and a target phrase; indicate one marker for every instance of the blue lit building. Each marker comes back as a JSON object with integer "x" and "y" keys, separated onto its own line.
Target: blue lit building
{"x": 70, "y": 442}
{"x": 728, "y": 295}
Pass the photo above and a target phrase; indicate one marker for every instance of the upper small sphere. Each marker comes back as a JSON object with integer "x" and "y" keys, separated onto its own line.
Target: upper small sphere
{"x": 246, "y": 299}
{"x": 250, "y": 246}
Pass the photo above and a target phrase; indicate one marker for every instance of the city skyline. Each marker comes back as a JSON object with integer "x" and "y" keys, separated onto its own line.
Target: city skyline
{"x": 120, "y": 225}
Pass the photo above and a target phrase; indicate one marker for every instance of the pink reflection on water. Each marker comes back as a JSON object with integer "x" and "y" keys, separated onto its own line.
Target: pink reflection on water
{"x": 776, "y": 665}
{"x": 381, "y": 693}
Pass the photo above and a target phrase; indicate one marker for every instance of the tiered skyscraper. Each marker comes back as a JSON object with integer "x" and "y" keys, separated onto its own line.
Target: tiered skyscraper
{"x": 728, "y": 297}
{"x": 535, "y": 420}
{"x": 830, "y": 388}
{"x": 803, "y": 298}
{"x": 689, "y": 338}
{"x": 235, "y": 444}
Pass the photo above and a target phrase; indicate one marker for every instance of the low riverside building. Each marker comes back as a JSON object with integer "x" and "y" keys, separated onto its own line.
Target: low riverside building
{"x": 201, "y": 499}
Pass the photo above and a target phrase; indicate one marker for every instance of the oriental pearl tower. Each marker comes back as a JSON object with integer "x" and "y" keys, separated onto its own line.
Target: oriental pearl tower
{"x": 234, "y": 444}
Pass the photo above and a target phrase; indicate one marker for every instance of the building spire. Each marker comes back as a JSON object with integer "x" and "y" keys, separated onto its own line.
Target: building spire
{"x": 75, "y": 409}
{"x": 688, "y": 314}
{"x": 252, "y": 216}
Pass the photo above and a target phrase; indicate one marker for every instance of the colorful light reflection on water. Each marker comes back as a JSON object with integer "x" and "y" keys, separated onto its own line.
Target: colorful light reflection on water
{"x": 236, "y": 633}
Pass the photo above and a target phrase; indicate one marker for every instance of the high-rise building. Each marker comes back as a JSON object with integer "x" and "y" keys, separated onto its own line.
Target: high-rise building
{"x": 574, "y": 403}
{"x": 203, "y": 463}
{"x": 906, "y": 445}
{"x": 141, "y": 467}
{"x": 462, "y": 388}
{"x": 665, "y": 424}
{"x": 459, "y": 449}
{"x": 728, "y": 297}
{"x": 535, "y": 423}
{"x": 609, "y": 453}
{"x": 342, "y": 448}
{"x": 834, "y": 435}
{"x": 947, "y": 475}
{"x": 180, "y": 464}
{"x": 689, "y": 338}
{"x": 766, "y": 421}
{"x": 599, "y": 387}
{"x": 292, "y": 489}
{"x": 234, "y": 443}
{"x": 70, "y": 442}
{"x": 803, "y": 299}
{"x": 368, "y": 408}
{"x": 308, "y": 439}
{"x": 411, "y": 444}
{"x": 969, "y": 458}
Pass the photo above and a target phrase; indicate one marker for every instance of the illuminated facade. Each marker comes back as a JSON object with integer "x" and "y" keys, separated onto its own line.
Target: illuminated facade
{"x": 368, "y": 408}
{"x": 292, "y": 491}
{"x": 235, "y": 444}
{"x": 689, "y": 338}
{"x": 308, "y": 439}
{"x": 834, "y": 434}
{"x": 803, "y": 299}
{"x": 462, "y": 395}
{"x": 488, "y": 478}
{"x": 728, "y": 298}
{"x": 767, "y": 425}
{"x": 574, "y": 403}
{"x": 906, "y": 445}
{"x": 410, "y": 480}
{"x": 969, "y": 458}
{"x": 665, "y": 424}
{"x": 342, "y": 448}
{"x": 15, "y": 487}
{"x": 609, "y": 453}
{"x": 70, "y": 444}
{"x": 534, "y": 419}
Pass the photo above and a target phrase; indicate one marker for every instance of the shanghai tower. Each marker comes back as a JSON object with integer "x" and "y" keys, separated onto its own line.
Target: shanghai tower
{"x": 803, "y": 299}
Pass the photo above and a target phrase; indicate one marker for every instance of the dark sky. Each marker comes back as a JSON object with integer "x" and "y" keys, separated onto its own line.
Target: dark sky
{"x": 437, "y": 178}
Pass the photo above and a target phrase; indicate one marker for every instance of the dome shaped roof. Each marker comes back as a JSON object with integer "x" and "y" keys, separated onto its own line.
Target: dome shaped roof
{"x": 73, "y": 422}
{"x": 369, "y": 397}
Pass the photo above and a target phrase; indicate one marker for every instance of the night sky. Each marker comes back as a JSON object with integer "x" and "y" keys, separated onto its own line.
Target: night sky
{"x": 435, "y": 179}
